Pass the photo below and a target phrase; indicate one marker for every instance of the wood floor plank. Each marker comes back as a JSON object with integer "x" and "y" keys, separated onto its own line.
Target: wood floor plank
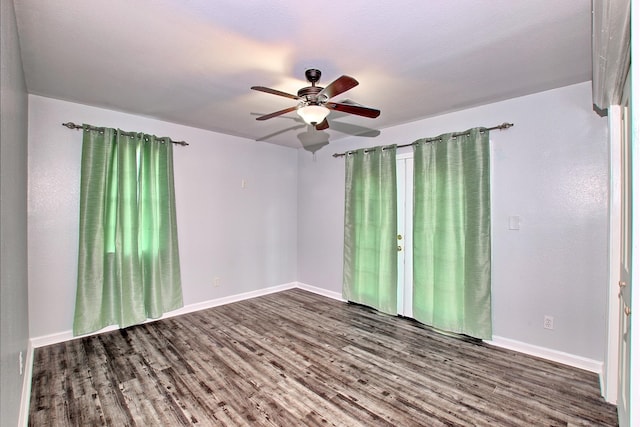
{"x": 299, "y": 359}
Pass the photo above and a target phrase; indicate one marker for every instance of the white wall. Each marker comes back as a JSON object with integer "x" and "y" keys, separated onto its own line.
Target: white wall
{"x": 14, "y": 323}
{"x": 551, "y": 169}
{"x": 246, "y": 237}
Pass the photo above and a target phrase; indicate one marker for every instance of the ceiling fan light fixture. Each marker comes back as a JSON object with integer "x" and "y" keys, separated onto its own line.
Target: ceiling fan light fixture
{"x": 313, "y": 114}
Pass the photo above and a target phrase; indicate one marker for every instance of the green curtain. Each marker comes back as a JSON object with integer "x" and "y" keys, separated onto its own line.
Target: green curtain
{"x": 370, "y": 254}
{"x": 452, "y": 233}
{"x": 128, "y": 263}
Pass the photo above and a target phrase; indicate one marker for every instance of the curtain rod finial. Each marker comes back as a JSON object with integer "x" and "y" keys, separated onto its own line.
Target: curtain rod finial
{"x": 71, "y": 125}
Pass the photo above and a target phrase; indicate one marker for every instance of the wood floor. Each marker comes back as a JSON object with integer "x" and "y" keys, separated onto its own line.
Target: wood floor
{"x": 298, "y": 359}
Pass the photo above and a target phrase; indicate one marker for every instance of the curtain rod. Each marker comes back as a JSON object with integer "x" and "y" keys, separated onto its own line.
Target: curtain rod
{"x": 503, "y": 126}
{"x": 72, "y": 125}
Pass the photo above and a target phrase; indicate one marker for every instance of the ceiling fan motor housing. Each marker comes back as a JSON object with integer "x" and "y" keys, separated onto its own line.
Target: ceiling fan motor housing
{"x": 310, "y": 94}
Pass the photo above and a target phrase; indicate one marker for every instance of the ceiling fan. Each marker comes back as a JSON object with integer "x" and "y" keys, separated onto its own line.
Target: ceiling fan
{"x": 314, "y": 101}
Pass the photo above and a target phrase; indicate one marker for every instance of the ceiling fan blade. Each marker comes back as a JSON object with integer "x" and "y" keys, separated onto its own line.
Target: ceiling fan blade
{"x": 274, "y": 92}
{"x": 322, "y": 125}
{"x": 339, "y": 85}
{"x": 359, "y": 110}
{"x": 277, "y": 113}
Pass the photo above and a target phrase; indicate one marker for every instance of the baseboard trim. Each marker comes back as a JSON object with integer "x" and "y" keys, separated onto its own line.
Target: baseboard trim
{"x": 25, "y": 398}
{"x": 68, "y": 335}
{"x": 521, "y": 347}
{"x": 545, "y": 353}
{"x": 321, "y": 291}
{"x": 549, "y": 354}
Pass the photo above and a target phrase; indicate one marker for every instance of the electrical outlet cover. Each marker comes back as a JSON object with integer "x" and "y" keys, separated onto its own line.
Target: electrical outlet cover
{"x": 548, "y": 322}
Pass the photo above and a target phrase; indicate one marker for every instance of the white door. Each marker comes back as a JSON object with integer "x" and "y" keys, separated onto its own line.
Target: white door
{"x": 626, "y": 244}
{"x": 404, "y": 173}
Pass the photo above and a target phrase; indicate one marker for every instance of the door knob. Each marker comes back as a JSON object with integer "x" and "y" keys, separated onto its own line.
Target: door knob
{"x": 622, "y": 283}
{"x": 399, "y": 236}
{"x": 627, "y": 310}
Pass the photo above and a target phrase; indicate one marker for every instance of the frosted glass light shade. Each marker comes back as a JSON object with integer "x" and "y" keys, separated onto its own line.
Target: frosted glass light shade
{"x": 313, "y": 114}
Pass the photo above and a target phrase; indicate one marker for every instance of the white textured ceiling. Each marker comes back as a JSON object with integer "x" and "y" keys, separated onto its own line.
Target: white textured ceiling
{"x": 193, "y": 61}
